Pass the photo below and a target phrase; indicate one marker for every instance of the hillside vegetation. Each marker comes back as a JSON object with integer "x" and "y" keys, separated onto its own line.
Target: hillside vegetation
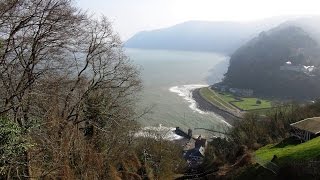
{"x": 290, "y": 150}
{"x": 290, "y": 158}
{"x": 68, "y": 97}
{"x": 256, "y": 65}
{"x": 249, "y": 149}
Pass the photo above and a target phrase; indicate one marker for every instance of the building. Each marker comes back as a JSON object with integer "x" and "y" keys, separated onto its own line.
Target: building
{"x": 288, "y": 66}
{"x": 306, "y": 129}
{"x": 241, "y": 92}
{"x": 220, "y": 87}
{"x": 195, "y": 151}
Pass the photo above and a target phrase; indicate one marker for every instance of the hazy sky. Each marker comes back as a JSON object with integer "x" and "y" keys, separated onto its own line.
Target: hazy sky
{"x": 132, "y": 16}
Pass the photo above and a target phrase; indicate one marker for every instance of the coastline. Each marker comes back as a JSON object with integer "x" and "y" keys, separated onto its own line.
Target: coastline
{"x": 204, "y": 105}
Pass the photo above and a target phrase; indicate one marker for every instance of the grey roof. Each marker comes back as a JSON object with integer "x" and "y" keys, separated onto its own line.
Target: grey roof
{"x": 311, "y": 125}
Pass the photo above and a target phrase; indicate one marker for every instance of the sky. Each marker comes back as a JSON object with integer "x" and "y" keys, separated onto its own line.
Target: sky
{"x": 131, "y": 16}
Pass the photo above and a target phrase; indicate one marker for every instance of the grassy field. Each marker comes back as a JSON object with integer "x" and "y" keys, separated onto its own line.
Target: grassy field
{"x": 248, "y": 104}
{"x": 214, "y": 98}
{"x": 289, "y": 150}
{"x": 229, "y": 101}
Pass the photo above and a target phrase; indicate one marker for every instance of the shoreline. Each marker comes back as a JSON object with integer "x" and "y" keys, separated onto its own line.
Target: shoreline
{"x": 204, "y": 105}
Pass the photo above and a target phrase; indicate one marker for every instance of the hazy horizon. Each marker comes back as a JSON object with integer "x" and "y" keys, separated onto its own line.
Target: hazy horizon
{"x": 130, "y": 17}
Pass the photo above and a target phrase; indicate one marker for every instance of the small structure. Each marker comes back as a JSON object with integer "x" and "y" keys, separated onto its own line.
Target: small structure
{"x": 190, "y": 133}
{"x": 306, "y": 129}
{"x": 200, "y": 142}
{"x": 180, "y": 132}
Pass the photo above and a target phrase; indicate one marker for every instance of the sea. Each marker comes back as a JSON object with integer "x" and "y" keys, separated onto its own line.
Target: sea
{"x": 168, "y": 78}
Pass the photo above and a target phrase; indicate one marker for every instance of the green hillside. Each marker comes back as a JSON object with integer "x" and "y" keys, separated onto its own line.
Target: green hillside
{"x": 287, "y": 152}
{"x": 290, "y": 150}
{"x": 230, "y": 102}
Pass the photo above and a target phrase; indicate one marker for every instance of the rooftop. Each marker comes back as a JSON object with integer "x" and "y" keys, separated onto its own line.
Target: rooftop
{"x": 311, "y": 125}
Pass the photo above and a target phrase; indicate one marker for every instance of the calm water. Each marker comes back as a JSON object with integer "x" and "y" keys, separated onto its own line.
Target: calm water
{"x": 168, "y": 77}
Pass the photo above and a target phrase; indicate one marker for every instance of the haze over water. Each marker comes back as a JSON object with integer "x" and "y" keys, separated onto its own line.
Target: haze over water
{"x": 168, "y": 77}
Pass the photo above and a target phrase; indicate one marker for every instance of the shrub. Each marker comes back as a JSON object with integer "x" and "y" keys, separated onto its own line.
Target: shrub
{"x": 13, "y": 145}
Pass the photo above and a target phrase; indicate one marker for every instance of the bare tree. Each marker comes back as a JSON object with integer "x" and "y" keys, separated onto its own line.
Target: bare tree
{"x": 34, "y": 36}
{"x": 66, "y": 71}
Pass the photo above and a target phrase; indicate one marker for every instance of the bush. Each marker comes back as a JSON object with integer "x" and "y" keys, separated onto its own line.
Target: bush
{"x": 249, "y": 131}
{"x": 13, "y": 145}
{"x": 164, "y": 158}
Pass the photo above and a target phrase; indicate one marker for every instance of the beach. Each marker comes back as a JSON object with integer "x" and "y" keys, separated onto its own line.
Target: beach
{"x": 206, "y": 106}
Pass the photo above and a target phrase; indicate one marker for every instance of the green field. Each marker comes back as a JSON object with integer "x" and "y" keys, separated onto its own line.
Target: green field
{"x": 248, "y": 104}
{"x": 227, "y": 100}
{"x": 288, "y": 150}
{"x": 215, "y": 99}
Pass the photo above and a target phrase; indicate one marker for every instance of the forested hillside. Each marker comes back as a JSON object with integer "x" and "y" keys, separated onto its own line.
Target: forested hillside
{"x": 258, "y": 65}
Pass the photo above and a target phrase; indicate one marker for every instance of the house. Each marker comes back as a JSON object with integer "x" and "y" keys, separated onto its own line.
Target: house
{"x": 241, "y": 92}
{"x": 306, "y": 129}
{"x": 220, "y": 87}
{"x": 195, "y": 151}
{"x": 288, "y": 66}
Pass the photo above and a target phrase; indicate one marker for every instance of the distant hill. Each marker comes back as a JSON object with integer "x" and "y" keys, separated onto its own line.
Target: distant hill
{"x": 257, "y": 64}
{"x": 222, "y": 37}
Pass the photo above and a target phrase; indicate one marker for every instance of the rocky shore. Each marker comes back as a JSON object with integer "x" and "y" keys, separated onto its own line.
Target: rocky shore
{"x": 207, "y": 106}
